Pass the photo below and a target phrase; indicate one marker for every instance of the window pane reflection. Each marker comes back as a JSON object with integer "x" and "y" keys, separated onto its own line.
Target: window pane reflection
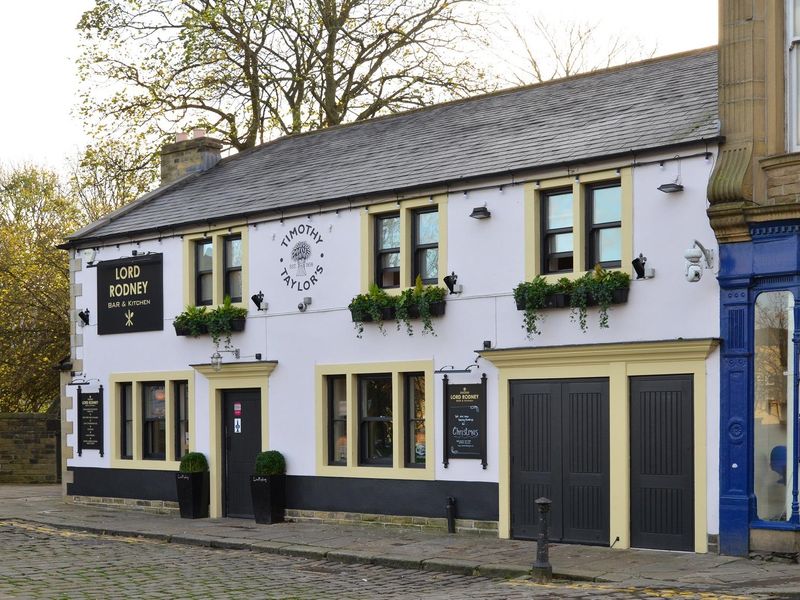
{"x": 772, "y": 414}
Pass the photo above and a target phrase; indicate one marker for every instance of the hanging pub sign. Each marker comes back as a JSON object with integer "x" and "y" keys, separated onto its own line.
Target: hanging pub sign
{"x": 465, "y": 420}
{"x": 90, "y": 421}
{"x": 130, "y": 294}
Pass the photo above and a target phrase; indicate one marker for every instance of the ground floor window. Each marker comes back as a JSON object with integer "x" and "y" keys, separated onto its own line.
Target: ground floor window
{"x": 773, "y": 405}
{"x": 151, "y": 417}
{"x": 376, "y": 419}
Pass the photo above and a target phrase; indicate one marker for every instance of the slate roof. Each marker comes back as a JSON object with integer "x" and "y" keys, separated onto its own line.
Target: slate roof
{"x": 652, "y": 104}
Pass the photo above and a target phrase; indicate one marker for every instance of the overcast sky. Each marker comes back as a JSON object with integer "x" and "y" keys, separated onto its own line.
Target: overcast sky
{"x": 39, "y": 44}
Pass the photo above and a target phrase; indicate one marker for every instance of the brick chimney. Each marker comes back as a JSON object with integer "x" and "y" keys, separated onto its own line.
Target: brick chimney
{"x": 189, "y": 155}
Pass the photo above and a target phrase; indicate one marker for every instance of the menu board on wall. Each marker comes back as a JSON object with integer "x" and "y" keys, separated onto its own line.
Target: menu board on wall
{"x": 90, "y": 421}
{"x": 465, "y": 420}
{"x": 130, "y": 294}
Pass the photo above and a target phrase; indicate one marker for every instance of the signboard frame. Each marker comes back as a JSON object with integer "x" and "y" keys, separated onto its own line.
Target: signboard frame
{"x": 449, "y": 410}
{"x": 130, "y": 294}
{"x": 91, "y": 423}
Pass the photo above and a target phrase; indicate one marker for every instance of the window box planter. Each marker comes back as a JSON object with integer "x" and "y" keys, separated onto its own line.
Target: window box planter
{"x": 387, "y": 314}
{"x": 620, "y": 296}
{"x": 185, "y": 330}
{"x": 237, "y": 324}
{"x": 437, "y": 310}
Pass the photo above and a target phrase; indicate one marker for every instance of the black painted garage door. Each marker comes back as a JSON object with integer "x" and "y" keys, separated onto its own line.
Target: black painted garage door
{"x": 559, "y": 450}
{"x": 662, "y": 462}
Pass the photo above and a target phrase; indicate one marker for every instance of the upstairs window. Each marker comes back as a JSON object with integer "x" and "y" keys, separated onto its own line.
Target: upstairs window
{"x": 604, "y": 221}
{"x": 557, "y": 236}
{"x": 387, "y": 251}
{"x": 204, "y": 272}
{"x": 793, "y": 74}
{"x": 233, "y": 268}
{"x": 426, "y": 246}
{"x": 215, "y": 266}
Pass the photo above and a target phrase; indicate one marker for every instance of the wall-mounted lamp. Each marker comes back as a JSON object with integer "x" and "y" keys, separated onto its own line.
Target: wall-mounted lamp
{"x": 451, "y": 281}
{"x": 258, "y": 300}
{"x": 84, "y": 316}
{"x": 642, "y": 272}
{"x": 673, "y": 186}
{"x": 216, "y": 358}
{"x": 89, "y": 254}
{"x": 480, "y": 212}
{"x": 304, "y": 304}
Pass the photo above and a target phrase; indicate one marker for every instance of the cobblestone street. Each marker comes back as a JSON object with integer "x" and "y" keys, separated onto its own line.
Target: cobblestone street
{"x": 43, "y": 562}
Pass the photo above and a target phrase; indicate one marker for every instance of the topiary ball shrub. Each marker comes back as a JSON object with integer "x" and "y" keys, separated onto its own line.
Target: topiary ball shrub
{"x": 270, "y": 462}
{"x": 194, "y": 462}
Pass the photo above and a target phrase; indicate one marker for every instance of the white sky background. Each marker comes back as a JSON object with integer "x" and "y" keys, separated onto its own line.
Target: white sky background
{"x": 39, "y": 44}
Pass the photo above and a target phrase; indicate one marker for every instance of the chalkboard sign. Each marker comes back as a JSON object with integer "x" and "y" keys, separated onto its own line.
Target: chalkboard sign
{"x": 90, "y": 421}
{"x": 130, "y": 294}
{"x": 465, "y": 420}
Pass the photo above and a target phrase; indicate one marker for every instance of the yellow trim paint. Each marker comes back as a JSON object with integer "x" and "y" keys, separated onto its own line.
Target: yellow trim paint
{"x": 398, "y": 470}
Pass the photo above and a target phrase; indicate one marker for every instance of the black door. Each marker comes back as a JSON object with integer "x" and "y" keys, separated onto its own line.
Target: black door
{"x": 242, "y": 441}
{"x": 559, "y": 450}
{"x": 662, "y": 462}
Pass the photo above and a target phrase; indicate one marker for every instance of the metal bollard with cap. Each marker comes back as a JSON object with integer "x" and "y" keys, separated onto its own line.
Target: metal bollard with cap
{"x": 542, "y": 571}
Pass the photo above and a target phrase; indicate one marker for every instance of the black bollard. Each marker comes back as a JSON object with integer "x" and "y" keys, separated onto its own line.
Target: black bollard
{"x": 542, "y": 569}
{"x": 450, "y": 511}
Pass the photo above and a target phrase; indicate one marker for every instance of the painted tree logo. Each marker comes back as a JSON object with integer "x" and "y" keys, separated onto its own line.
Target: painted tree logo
{"x": 300, "y": 254}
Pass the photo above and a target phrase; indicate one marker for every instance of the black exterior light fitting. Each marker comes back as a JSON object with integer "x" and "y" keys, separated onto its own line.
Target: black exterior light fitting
{"x": 638, "y": 266}
{"x": 83, "y": 315}
{"x": 451, "y": 281}
{"x": 258, "y": 300}
{"x": 670, "y": 188}
{"x": 480, "y": 212}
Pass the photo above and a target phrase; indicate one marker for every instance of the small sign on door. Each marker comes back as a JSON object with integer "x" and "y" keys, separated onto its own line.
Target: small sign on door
{"x": 237, "y": 425}
{"x": 237, "y": 409}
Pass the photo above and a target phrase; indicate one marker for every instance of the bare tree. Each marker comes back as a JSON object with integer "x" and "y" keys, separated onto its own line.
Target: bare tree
{"x": 249, "y": 69}
{"x": 549, "y": 50}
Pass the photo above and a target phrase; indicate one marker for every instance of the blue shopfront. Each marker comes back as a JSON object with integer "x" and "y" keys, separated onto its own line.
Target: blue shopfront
{"x": 760, "y": 329}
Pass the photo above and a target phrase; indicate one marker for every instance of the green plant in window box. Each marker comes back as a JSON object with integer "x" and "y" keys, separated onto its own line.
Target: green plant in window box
{"x": 268, "y": 487}
{"x": 531, "y": 297}
{"x": 560, "y": 293}
{"x": 377, "y": 306}
{"x": 429, "y": 302}
{"x": 405, "y": 305}
{"x": 192, "y": 482}
{"x": 193, "y": 321}
{"x": 224, "y": 320}
{"x": 609, "y": 287}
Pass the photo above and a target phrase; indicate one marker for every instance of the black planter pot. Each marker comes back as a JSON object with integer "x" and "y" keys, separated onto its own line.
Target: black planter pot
{"x": 437, "y": 310}
{"x": 193, "y": 492}
{"x": 238, "y": 324}
{"x": 181, "y": 329}
{"x": 269, "y": 498}
{"x": 620, "y": 296}
{"x": 387, "y": 314}
{"x": 557, "y": 300}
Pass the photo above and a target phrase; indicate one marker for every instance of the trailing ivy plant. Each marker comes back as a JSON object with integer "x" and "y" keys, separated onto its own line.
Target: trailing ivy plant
{"x": 580, "y": 299}
{"x": 425, "y": 297}
{"x": 405, "y": 304}
{"x": 220, "y": 321}
{"x": 531, "y": 297}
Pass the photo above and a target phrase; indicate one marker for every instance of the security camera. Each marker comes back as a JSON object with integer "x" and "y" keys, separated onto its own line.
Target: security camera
{"x": 693, "y": 273}
{"x": 695, "y": 256}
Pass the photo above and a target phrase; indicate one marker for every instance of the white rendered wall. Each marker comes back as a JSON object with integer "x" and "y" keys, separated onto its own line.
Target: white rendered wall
{"x": 488, "y": 256}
